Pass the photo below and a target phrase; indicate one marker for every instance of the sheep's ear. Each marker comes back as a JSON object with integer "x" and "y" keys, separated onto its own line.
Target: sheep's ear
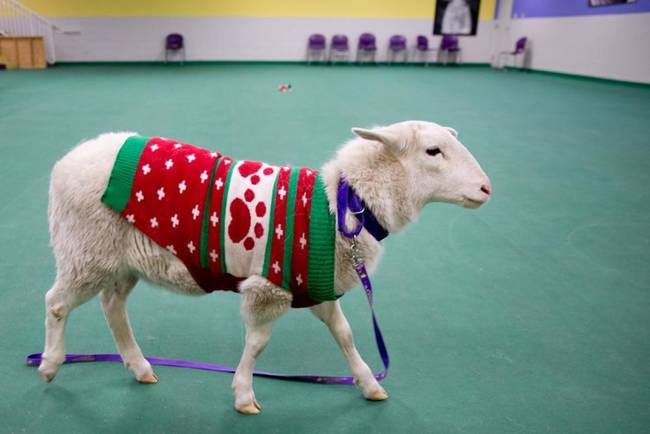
{"x": 452, "y": 131}
{"x": 388, "y": 138}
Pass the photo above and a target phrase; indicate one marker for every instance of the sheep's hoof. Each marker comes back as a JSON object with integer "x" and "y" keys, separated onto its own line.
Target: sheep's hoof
{"x": 148, "y": 379}
{"x": 48, "y": 377}
{"x": 379, "y": 395}
{"x": 248, "y": 409}
{"x": 253, "y": 408}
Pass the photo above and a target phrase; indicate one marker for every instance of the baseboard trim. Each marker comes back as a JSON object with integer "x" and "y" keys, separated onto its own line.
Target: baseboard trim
{"x": 580, "y": 77}
{"x": 257, "y": 62}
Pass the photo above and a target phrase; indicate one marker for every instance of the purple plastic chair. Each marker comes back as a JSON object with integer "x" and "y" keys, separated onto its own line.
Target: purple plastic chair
{"x": 397, "y": 47}
{"x": 316, "y": 45}
{"x": 339, "y": 48}
{"x": 421, "y": 50}
{"x": 367, "y": 47}
{"x": 174, "y": 43}
{"x": 449, "y": 45}
{"x": 520, "y": 52}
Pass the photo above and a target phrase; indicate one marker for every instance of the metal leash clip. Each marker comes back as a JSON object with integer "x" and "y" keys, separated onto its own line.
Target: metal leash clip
{"x": 354, "y": 252}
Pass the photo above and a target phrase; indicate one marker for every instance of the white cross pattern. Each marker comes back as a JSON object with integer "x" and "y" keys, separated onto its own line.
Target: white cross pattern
{"x": 214, "y": 255}
{"x": 139, "y": 195}
{"x": 191, "y": 158}
{"x": 195, "y": 212}
{"x": 161, "y": 193}
{"x": 191, "y": 247}
{"x": 214, "y": 154}
{"x": 218, "y": 183}
{"x": 214, "y": 219}
{"x": 177, "y": 145}
{"x": 175, "y": 220}
{"x": 182, "y": 187}
{"x": 282, "y": 192}
{"x": 204, "y": 176}
{"x": 276, "y": 267}
{"x": 154, "y": 222}
{"x": 227, "y": 162}
{"x": 154, "y": 147}
{"x": 279, "y": 231}
{"x": 146, "y": 169}
{"x": 169, "y": 163}
{"x": 299, "y": 280}
{"x": 130, "y": 218}
{"x": 303, "y": 241}
{"x": 171, "y": 249}
{"x": 308, "y": 172}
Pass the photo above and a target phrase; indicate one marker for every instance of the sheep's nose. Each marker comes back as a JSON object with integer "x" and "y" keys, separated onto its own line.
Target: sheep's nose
{"x": 485, "y": 188}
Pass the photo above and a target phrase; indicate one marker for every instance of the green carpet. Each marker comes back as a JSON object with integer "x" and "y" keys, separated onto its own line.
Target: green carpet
{"x": 529, "y": 315}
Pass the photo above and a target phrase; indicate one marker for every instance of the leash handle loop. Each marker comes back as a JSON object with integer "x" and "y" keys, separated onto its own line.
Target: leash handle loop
{"x": 344, "y": 202}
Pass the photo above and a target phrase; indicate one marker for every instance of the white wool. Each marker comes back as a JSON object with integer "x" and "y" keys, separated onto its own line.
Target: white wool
{"x": 97, "y": 251}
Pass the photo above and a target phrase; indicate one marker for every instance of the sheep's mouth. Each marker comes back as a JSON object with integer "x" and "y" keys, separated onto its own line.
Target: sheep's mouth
{"x": 468, "y": 202}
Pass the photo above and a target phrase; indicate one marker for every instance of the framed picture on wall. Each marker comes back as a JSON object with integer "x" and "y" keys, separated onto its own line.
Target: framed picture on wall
{"x": 593, "y": 3}
{"x": 456, "y": 17}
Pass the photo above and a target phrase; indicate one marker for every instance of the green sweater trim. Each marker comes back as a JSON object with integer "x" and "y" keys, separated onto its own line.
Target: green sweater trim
{"x": 288, "y": 227}
{"x": 120, "y": 183}
{"x": 205, "y": 225}
{"x": 224, "y": 208}
{"x": 320, "y": 284}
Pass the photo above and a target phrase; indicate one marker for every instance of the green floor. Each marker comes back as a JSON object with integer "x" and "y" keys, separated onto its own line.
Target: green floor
{"x": 531, "y": 314}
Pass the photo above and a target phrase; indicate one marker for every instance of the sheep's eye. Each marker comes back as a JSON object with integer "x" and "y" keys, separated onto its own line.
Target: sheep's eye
{"x": 433, "y": 151}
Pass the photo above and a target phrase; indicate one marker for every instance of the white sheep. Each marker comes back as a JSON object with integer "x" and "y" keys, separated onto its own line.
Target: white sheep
{"x": 396, "y": 170}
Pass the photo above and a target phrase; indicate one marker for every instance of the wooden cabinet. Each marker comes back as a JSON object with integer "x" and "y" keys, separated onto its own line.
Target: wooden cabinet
{"x": 23, "y": 52}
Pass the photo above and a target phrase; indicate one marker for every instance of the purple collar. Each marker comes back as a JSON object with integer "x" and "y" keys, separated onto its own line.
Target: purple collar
{"x": 348, "y": 199}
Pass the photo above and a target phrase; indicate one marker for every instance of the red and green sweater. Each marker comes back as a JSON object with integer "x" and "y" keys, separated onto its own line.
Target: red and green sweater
{"x": 226, "y": 219}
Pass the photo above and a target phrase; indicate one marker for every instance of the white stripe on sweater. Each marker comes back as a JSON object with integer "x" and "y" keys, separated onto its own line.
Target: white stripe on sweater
{"x": 241, "y": 262}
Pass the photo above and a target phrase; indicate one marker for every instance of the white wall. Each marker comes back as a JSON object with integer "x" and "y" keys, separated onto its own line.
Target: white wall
{"x": 231, "y": 38}
{"x": 605, "y": 46}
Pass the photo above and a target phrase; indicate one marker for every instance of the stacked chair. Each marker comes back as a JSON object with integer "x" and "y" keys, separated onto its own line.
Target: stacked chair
{"x": 316, "y": 48}
{"x": 366, "y": 48}
{"x": 421, "y": 51}
{"x": 339, "y": 49}
{"x": 397, "y": 48}
{"x": 449, "y": 49}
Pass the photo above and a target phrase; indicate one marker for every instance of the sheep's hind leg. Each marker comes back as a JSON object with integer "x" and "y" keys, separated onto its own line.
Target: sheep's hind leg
{"x": 114, "y": 305}
{"x": 262, "y": 303}
{"x": 60, "y": 300}
{"x": 331, "y": 314}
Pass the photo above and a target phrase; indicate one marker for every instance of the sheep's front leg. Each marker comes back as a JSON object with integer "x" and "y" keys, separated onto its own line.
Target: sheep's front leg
{"x": 262, "y": 303}
{"x": 331, "y": 314}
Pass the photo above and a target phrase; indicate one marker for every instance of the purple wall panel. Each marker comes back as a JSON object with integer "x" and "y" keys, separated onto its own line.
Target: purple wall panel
{"x": 569, "y": 8}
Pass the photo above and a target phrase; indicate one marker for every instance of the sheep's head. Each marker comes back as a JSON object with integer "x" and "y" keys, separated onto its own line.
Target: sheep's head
{"x": 440, "y": 168}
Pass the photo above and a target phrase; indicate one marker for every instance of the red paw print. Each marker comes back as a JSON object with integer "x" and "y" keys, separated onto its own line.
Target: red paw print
{"x": 249, "y": 211}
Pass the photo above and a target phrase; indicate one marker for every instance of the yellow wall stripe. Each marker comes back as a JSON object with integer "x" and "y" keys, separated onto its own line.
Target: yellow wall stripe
{"x": 244, "y": 8}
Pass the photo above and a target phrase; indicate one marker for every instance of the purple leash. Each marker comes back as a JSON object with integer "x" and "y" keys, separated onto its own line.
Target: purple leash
{"x": 347, "y": 200}
{"x": 35, "y": 359}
